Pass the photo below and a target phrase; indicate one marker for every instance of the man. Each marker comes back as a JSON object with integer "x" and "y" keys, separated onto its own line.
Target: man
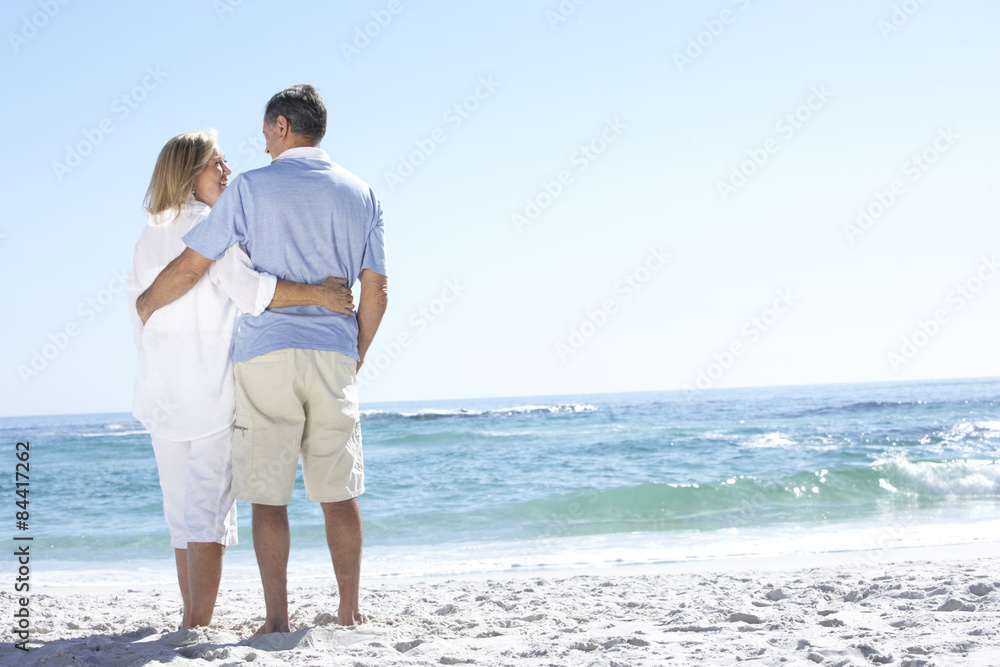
{"x": 302, "y": 219}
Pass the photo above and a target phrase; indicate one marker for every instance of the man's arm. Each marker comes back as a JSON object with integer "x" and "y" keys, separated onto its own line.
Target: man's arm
{"x": 333, "y": 294}
{"x": 174, "y": 281}
{"x": 371, "y": 308}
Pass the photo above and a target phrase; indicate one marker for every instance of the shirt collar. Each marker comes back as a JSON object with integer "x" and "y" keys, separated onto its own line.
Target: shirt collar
{"x": 188, "y": 207}
{"x": 307, "y": 152}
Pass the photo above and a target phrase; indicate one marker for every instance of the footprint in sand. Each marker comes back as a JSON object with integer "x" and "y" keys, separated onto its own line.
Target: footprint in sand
{"x": 277, "y": 641}
{"x": 185, "y": 637}
{"x": 980, "y": 589}
{"x": 404, "y": 647}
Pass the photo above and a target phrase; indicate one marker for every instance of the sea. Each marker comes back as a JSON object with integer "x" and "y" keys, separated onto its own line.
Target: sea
{"x": 489, "y": 486}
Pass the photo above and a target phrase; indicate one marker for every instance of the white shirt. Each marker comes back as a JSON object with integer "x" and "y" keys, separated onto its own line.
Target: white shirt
{"x": 184, "y": 386}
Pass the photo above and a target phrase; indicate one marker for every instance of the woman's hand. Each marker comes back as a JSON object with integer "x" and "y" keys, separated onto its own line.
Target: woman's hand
{"x": 336, "y": 296}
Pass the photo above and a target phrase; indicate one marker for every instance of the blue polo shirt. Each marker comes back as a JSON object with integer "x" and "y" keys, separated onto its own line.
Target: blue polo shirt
{"x": 303, "y": 219}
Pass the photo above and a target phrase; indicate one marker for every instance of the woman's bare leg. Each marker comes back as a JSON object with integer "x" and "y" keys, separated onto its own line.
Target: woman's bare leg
{"x": 180, "y": 556}
{"x": 204, "y": 574}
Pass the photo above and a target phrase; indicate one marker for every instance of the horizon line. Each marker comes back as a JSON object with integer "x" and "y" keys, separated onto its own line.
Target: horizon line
{"x": 608, "y": 393}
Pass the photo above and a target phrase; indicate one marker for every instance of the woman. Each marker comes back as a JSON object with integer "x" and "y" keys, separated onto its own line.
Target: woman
{"x": 184, "y": 390}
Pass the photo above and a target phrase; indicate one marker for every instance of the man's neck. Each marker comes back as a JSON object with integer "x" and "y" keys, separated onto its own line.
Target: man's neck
{"x": 296, "y": 144}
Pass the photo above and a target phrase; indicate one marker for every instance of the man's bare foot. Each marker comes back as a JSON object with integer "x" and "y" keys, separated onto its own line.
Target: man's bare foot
{"x": 350, "y": 617}
{"x": 271, "y": 627}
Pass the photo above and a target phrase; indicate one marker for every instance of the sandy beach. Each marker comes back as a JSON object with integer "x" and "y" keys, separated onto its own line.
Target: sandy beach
{"x": 849, "y": 609}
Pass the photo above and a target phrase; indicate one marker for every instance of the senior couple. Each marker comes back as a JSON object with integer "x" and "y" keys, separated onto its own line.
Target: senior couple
{"x": 249, "y": 347}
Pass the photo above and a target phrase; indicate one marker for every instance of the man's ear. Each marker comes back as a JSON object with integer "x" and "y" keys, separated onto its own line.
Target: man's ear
{"x": 283, "y": 127}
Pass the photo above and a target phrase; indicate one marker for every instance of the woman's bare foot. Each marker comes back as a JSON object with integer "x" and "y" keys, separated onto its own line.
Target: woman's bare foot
{"x": 271, "y": 627}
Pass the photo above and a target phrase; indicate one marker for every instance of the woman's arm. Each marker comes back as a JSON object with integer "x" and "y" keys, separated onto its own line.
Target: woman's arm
{"x": 333, "y": 294}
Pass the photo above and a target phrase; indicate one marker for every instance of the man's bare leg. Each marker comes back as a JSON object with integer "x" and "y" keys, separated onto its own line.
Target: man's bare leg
{"x": 271, "y": 543}
{"x": 180, "y": 557}
{"x": 204, "y": 562}
{"x": 343, "y": 536}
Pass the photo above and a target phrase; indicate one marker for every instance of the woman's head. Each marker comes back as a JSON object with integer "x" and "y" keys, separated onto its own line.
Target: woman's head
{"x": 189, "y": 166}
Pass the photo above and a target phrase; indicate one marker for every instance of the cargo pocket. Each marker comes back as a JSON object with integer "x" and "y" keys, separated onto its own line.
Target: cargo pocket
{"x": 242, "y": 455}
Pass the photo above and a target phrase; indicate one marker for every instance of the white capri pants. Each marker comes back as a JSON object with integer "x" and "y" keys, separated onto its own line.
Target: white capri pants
{"x": 196, "y": 478}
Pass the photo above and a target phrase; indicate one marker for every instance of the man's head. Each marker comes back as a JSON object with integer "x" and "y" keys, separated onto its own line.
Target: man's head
{"x": 294, "y": 117}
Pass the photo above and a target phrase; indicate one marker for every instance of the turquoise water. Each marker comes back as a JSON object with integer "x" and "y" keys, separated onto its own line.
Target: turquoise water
{"x": 488, "y": 484}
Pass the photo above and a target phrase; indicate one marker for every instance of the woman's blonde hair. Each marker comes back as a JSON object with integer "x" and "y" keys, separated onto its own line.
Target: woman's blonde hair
{"x": 181, "y": 160}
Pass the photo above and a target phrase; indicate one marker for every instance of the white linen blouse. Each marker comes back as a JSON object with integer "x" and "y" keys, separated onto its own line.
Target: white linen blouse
{"x": 184, "y": 388}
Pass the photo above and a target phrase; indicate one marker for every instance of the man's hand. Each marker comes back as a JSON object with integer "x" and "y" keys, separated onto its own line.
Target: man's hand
{"x": 336, "y": 296}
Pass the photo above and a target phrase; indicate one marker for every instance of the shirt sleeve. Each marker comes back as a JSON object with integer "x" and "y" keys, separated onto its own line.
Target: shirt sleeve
{"x": 249, "y": 289}
{"x": 374, "y": 257}
{"x": 133, "y": 288}
{"x": 225, "y": 226}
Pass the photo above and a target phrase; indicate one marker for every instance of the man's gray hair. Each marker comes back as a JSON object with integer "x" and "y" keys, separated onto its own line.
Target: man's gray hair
{"x": 303, "y": 108}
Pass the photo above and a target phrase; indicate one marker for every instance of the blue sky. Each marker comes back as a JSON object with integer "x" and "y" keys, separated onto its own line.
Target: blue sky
{"x": 579, "y": 198}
